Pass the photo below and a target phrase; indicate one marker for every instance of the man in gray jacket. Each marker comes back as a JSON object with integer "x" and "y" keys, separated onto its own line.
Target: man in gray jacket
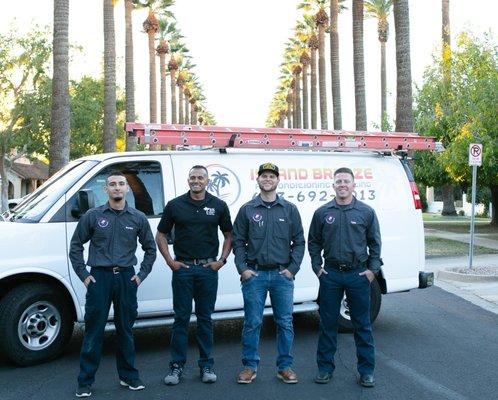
{"x": 268, "y": 244}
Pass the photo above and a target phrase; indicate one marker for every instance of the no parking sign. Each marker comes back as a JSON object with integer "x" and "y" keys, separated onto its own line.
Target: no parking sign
{"x": 475, "y": 154}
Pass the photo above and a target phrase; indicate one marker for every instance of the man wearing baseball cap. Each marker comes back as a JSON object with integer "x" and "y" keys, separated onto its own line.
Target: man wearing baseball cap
{"x": 268, "y": 244}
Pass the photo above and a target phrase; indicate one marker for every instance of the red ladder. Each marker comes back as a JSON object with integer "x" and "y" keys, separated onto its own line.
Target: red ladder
{"x": 275, "y": 138}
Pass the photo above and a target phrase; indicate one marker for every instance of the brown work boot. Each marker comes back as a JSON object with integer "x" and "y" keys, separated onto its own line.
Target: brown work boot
{"x": 247, "y": 375}
{"x": 287, "y": 375}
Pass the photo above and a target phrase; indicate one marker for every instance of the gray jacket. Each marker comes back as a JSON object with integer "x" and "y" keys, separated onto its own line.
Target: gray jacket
{"x": 268, "y": 235}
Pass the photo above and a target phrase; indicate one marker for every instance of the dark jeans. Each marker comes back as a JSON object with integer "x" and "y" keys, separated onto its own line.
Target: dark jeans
{"x": 200, "y": 284}
{"x": 122, "y": 292}
{"x": 357, "y": 288}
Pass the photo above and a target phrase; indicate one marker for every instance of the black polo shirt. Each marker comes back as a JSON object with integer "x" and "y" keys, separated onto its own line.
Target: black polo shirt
{"x": 196, "y": 225}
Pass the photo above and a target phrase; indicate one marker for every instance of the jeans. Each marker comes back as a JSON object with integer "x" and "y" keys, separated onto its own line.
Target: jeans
{"x": 200, "y": 284}
{"x": 357, "y": 288}
{"x": 281, "y": 291}
{"x": 122, "y": 292}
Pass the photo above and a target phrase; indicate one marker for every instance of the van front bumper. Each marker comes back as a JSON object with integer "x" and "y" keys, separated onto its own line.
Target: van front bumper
{"x": 425, "y": 279}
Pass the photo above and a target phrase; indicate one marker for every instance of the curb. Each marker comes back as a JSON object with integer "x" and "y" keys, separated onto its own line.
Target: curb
{"x": 456, "y": 276}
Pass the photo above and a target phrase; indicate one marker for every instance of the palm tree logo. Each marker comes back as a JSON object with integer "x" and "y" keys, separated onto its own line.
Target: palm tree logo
{"x": 218, "y": 181}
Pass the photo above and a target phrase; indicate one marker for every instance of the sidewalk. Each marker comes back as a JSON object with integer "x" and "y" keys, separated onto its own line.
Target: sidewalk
{"x": 480, "y": 291}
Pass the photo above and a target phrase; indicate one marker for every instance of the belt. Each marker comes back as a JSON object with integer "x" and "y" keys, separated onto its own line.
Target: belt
{"x": 197, "y": 261}
{"x": 343, "y": 266}
{"x": 114, "y": 270}
{"x": 265, "y": 267}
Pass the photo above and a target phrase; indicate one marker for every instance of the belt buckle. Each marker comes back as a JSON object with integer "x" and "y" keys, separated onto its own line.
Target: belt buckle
{"x": 196, "y": 261}
{"x": 344, "y": 267}
{"x": 115, "y": 270}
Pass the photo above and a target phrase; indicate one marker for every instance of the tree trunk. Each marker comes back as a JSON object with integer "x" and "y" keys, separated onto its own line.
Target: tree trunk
{"x": 131, "y": 142}
{"x": 383, "y": 87}
{"x": 60, "y": 114}
{"x": 334, "y": 64}
{"x": 313, "y": 93}
{"x": 445, "y": 8}
{"x": 359, "y": 67}
{"x": 448, "y": 200}
{"x": 152, "y": 79}
{"x": 494, "y": 205}
{"x": 289, "y": 114}
{"x": 4, "y": 194}
{"x": 322, "y": 82}
{"x": 180, "y": 105}
{"x": 404, "y": 117}
{"x": 187, "y": 112}
{"x": 172, "y": 74}
{"x": 164, "y": 93}
{"x": 297, "y": 107}
{"x": 193, "y": 115}
{"x": 109, "y": 78}
{"x": 305, "y": 96}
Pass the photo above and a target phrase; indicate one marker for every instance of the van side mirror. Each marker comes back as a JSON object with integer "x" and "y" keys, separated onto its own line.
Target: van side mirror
{"x": 85, "y": 201}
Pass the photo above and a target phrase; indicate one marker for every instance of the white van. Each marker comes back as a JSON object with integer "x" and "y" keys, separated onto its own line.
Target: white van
{"x": 41, "y": 297}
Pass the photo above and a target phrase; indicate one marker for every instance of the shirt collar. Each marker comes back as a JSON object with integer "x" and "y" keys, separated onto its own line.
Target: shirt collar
{"x": 333, "y": 204}
{"x": 196, "y": 202}
{"x": 107, "y": 206}
{"x": 259, "y": 201}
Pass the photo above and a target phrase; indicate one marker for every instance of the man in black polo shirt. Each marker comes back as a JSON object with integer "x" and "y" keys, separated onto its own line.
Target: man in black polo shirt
{"x": 196, "y": 216}
{"x": 112, "y": 230}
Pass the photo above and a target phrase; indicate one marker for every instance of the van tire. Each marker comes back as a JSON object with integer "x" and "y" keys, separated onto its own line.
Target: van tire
{"x": 35, "y": 323}
{"x": 345, "y": 325}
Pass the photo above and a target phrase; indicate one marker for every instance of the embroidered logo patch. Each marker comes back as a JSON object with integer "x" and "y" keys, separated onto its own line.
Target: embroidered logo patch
{"x": 257, "y": 217}
{"x": 329, "y": 219}
{"x": 103, "y": 222}
{"x": 209, "y": 211}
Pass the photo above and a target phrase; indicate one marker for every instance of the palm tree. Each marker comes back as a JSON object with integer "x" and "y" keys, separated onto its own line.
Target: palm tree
{"x": 176, "y": 54}
{"x": 380, "y": 9}
{"x": 359, "y": 67}
{"x": 60, "y": 117}
{"x": 404, "y": 116}
{"x": 305, "y": 59}
{"x": 335, "y": 8}
{"x": 166, "y": 30}
{"x": 151, "y": 26}
{"x": 109, "y": 78}
{"x": 131, "y": 142}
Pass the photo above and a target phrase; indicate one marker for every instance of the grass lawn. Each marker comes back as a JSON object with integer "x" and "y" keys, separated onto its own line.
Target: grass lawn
{"x": 443, "y": 247}
{"x": 460, "y": 224}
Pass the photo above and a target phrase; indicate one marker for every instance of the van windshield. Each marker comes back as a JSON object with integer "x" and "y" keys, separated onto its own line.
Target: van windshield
{"x": 33, "y": 207}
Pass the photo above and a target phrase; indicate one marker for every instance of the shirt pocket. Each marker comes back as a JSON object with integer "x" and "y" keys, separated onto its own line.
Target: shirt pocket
{"x": 281, "y": 228}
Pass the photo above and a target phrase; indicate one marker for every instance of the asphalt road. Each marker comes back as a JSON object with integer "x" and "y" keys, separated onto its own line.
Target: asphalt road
{"x": 430, "y": 345}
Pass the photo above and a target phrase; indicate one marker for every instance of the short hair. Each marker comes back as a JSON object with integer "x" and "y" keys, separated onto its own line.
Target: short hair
{"x": 199, "y": 167}
{"x": 115, "y": 173}
{"x": 344, "y": 170}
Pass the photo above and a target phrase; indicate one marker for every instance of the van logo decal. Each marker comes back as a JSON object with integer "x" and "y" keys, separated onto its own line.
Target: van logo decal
{"x": 223, "y": 183}
{"x": 257, "y": 217}
{"x": 103, "y": 222}
{"x": 329, "y": 219}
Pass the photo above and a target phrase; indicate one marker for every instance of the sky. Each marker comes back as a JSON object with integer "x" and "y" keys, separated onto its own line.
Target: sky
{"x": 237, "y": 47}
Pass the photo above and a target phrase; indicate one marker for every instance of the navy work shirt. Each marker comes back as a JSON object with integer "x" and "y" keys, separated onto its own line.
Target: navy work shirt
{"x": 268, "y": 234}
{"x": 196, "y": 225}
{"x": 348, "y": 234}
{"x": 113, "y": 240}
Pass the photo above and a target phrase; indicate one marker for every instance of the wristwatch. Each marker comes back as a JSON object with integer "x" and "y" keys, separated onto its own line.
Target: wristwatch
{"x": 223, "y": 260}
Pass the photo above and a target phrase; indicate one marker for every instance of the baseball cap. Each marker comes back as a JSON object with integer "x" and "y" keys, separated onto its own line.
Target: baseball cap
{"x": 268, "y": 167}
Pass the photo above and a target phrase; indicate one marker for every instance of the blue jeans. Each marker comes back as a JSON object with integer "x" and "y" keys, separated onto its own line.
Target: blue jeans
{"x": 122, "y": 292}
{"x": 255, "y": 290}
{"x": 200, "y": 284}
{"x": 357, "y": 288}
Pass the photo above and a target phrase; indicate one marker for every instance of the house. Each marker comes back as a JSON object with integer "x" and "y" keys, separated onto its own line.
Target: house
{"x": 24, "y": 177}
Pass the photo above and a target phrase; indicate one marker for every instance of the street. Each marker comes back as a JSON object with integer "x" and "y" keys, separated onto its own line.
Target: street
{"x": 430, "y": 345}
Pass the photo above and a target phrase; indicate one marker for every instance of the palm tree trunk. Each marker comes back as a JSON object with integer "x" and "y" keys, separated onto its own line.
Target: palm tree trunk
{"x": 289, "y": 114}
{"x": 152, "y": 78}
{"x": 172, "y": 74}
{"x": 294, "y": 107}
{"x": 334, "y": 63}
{"x": 404, "y": 117}
{"x": 109, "y": 78}
{"x": 131, "y": 142}
{"x": 313, "y": 93}
{"x": 297, "y": 106}
{"x": 383, "y": 87}
{"x": 164, "y": 92}
{"x": 187, "y": 112}
{"x": 322, "y": 84}
{"x": 359, "y": 67}
{"x": 60, "y": 114}
{"x": 193, "y": 115}
{"x": 180, "y": 105}
{"x": 305, "y": 96}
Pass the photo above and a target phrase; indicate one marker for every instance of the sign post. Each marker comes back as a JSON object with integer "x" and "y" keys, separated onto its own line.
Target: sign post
{"x": 475, "y": 160}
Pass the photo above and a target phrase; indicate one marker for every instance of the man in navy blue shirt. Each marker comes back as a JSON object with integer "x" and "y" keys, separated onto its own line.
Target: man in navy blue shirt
{"x": 196, "y": 217}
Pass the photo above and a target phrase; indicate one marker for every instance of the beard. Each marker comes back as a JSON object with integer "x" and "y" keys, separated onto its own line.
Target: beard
{"x": 118, "y": 198}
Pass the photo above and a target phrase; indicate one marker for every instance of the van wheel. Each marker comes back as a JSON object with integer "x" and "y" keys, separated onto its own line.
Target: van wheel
{"x": 345, "y": 325}
{"x": 35, "y": 324}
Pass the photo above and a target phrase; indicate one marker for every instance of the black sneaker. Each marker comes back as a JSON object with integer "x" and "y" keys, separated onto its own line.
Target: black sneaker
{"x": 83, "y": 391}
{"x": 134, "y": 384}
{"x": 175, "y": 373}
{"x": 323, "y": 377}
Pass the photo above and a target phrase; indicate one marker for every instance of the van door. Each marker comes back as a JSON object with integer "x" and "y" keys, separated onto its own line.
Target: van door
{"x": 147, "y": 194}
